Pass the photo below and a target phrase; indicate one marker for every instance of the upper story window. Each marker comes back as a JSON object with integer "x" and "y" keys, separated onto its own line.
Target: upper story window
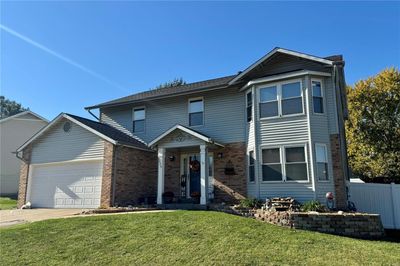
{"x": 251, "y": 167}
{"x": 322, "y": 162}
{"x": 318, "y": 97}
{"x": 285, "y": 163}
{"x": 139, "y": 116}
{"x": 196, "y": 112}
{"x": 249, "y": 106}
{"x": 281, "y": 99}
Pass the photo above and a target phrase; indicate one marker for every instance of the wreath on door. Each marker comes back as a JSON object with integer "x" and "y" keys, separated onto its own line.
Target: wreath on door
{"x": 194, "y": 165}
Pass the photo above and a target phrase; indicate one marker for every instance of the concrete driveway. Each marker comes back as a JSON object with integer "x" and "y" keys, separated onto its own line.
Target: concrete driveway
{"x": 11, "y": 217}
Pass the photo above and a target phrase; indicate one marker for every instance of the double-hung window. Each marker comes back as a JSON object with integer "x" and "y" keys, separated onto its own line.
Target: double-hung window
{"x": 249, "y": 106}
{"x": 251, "y": 167}
{"x": 269, "y": 102}
{"x": 196, "y": 112}
{"x": 295, "y": 164}
{"x": 322, "y": 162}
{"x": 292, "y": 102}
{"x": 271, "y": 165}
{"x": 318, "y": 97}
{"x": 139, "y": 116}
{"x": 284, "y": 163}
{"x": 281, "y": 99}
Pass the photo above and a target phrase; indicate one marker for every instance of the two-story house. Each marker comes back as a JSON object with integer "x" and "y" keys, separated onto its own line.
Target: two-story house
{"x": 274, "y": 129}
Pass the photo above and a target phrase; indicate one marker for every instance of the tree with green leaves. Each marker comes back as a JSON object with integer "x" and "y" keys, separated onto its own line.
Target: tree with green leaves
{"x": 373, "y": 128}
{"x": 173, "y": 83}
{"x": 9, "y": 107}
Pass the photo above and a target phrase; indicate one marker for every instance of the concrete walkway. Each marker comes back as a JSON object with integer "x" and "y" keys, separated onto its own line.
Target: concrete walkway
{"x": 13, "y": 217}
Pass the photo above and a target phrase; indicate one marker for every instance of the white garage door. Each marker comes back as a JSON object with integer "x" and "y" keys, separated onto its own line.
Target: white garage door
{"x": 66, "y": 185}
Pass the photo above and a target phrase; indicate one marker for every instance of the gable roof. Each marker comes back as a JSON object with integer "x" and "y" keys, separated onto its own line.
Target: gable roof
{"x": 283, "y": 51}
{"x": 22, "y": 114}
{"x": 217, "y": 83}
{"x": 102, "y": 130}
{"x": 187, "y": 130}
{"x": 171, "y": 91}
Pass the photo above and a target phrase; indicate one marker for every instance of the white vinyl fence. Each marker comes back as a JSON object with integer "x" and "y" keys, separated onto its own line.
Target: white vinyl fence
{"x": 383, "y": 199}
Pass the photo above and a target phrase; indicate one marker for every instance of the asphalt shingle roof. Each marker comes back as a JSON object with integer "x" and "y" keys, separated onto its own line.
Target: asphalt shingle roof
{"x": 111, "y": 132}
{"x": 158, "y": 93}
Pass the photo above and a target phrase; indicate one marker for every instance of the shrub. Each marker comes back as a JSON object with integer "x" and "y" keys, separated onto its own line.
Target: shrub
{"x": 313, "y": 205}
{"x": 251, "y": 203}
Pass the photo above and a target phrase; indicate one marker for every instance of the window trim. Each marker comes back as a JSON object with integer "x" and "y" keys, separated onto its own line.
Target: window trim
{"x": 282, "y": 156}
{"x": 144, "y": 120}
{"x": 247, "y": 106}
{"x": 327, "y": 162}
{"x": 188, "y": 110}
{"x": 279, "y": 98}
{"x": 322, "y": 96}
{"x": 248, "y": 166}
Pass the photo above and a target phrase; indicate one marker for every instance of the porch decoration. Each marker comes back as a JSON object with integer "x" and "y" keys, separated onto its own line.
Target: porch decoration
{"x": 194, "y": 165}
{"x": 329, "y": 200}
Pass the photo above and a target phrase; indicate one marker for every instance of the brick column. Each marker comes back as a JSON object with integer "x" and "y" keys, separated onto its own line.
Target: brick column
{"x": 338, "y": 172}
{"x": 108, "y": 175}
{"x": 23, "y": 176}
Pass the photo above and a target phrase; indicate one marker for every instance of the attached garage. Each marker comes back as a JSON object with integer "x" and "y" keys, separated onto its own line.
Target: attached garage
{"x": 71, "y": 164}
{"x": 66, "y": 185}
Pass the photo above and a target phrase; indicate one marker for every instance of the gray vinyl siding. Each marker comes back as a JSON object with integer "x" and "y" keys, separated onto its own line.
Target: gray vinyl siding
{"x": 283, "y": 131}
{"x": 56, "y": 145}
{"x": 224, "y": 116}
{"x": 321, "y": 127}
{"x": 331, "y": 105}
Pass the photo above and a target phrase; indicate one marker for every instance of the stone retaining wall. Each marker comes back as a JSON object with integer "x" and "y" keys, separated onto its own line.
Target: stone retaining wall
{"x": 347, "y": 224}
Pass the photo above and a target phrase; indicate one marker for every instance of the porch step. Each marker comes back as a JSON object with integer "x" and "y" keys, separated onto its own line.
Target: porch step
{"x": 182, "y": 206}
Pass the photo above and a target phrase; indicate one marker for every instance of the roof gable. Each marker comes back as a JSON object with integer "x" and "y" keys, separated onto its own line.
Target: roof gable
{"x": 187, "y": 134}
{"x": 279, "y": 61}
{"x": 104, "y": 131}
{"x": 24, "y": 115}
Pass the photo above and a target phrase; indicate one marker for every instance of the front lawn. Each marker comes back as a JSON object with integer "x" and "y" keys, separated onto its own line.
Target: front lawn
{"x": 7, "y": 203}
{"x": 182, "y": 237}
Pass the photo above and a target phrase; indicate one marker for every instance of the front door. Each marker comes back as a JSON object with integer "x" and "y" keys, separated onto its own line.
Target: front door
{"x": 194, "y": 175}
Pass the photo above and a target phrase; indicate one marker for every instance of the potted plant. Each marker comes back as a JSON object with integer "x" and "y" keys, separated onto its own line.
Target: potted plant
{"x": 195, "y": 196}
{"x": 168, "y": 196}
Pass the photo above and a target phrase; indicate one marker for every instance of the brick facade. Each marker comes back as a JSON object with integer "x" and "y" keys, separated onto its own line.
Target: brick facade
{"x": 108, "y": 175}
{"x": 135, "y": 176}
{"x": 23, "y": 177}
{"x": 172, "y": 181}
{"x": 230, "y": 188}
{"x": 338, "y": 172}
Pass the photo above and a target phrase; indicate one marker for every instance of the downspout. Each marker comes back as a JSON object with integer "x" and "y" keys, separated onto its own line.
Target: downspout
{"x": 90, "y": 112}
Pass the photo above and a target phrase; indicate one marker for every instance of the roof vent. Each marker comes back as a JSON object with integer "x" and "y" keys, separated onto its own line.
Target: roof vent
{"x": 67, "y": 126}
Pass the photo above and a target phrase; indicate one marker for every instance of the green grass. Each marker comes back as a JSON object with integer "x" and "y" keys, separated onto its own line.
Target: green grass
{"x": 7, "y": 203}
{"x": 182, "y": 237}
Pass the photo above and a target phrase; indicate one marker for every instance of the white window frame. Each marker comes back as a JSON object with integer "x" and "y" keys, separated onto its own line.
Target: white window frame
{"x": 282, "y": 156}
{"x": 327, "y": 162}
{"x": 248, "y": 166}
{"x": 188, "y": 110}
{"x": 279, "y": 98}
{"x": 133, "y": 118}
{"x": 322, "y": 95}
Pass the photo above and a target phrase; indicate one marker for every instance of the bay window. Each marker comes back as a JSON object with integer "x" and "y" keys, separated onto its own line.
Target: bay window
{"x": 284, "y": 163}
{"x": 322, "y": 162}
{"x": 281, "y": 99}
{"x": 251, "y": 167}
{"x": 317, "y": 96}
{"x": 249, "y": 106}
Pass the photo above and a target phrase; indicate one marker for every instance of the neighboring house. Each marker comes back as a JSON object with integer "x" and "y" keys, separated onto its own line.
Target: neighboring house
{"x": 14, "y": 131}
{"x": 275, "y": 129}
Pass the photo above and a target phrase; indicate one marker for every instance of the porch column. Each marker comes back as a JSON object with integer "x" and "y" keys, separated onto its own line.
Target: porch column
{"x": 203, "y": 174}
{"x": 161, "y": 172}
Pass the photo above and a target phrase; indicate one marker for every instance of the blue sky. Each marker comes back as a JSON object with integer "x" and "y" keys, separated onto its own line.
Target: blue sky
{"x": 119, "y": 48}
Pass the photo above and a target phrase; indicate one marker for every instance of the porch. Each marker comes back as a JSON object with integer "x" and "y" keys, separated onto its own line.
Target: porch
{"x": 185, "y": 168}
